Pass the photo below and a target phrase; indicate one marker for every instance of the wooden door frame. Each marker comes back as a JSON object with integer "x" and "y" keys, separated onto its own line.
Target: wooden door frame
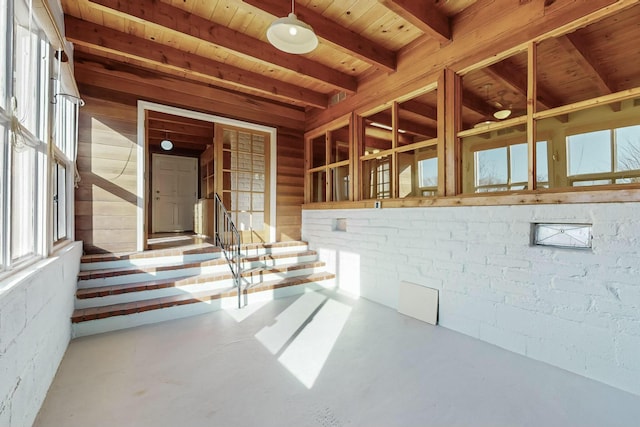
{"x": 143, "y": 162}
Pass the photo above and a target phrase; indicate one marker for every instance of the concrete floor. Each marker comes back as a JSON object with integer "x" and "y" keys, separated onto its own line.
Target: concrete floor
{"x": 318, "y": 359}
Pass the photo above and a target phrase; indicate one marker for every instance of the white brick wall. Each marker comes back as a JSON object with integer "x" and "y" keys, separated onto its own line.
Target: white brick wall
{"x": 35, "y": 329}
{"x": 576, "y": 309}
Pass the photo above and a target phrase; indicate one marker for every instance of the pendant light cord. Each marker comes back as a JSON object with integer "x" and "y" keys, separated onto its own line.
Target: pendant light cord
{"x": 293, "y": 6}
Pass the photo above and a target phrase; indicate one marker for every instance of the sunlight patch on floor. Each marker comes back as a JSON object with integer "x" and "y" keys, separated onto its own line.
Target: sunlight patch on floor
{"x": 289, "y": 321}
{"x": 307, "y": 354}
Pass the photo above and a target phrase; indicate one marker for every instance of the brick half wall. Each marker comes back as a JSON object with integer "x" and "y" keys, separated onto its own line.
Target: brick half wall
{"x": 575, "y": 309}
{"x": 35, "y": 329}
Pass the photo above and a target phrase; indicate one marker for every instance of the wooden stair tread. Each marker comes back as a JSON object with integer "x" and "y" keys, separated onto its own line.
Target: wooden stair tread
{"x": 100, "y": 291}
{"x": 201, "y": 248}
{"x": 198, "y": 248}
{"x": 94, "y": 313}
{"x": 121, "y": 271}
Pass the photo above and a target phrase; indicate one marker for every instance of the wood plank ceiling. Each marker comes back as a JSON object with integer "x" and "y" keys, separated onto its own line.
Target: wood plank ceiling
{"x": 222, "y": 44}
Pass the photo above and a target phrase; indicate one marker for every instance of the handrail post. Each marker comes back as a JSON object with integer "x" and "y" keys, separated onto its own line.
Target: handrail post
{"x": 230, "y": 242}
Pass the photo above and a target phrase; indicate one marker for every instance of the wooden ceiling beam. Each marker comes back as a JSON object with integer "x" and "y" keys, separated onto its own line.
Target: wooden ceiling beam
{"x": 420, "y": 108}
{"x": 338, "y": 36}
{"x": 408, "y": 126}
{"x": 84, "y": 33}
{"x": 475, "y": 103}
{"x": 118, "y": 81}
{"x": 578, "y": 49}
{"x": 179, "y": 128}
{"x": 170, "y": 118}
{"x": 424, "y": 15}
{"x": 159, "y": 135}
{"x": 518, "y": 83}
{"x": 168, "y": 17}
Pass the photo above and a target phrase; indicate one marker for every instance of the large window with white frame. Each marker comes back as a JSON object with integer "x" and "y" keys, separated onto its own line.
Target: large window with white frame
{"x": 36, "y": 177}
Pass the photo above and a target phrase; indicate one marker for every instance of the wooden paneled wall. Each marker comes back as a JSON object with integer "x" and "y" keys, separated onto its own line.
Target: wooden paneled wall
{"x": 289, "y": 184}
{"x": 106, "y": 196}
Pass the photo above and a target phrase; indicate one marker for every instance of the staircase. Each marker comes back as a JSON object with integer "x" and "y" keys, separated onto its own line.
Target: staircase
{"x": 127, "y": 290}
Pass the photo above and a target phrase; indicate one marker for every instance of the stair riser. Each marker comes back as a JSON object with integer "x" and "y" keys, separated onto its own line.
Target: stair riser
{"x": 260, "y": 278}
{"x": 278, "y": 261}
{"x": 274, "y": 250}
{"x": 153, "y": 316}
{"x": 145, "y": 262}
{"x": 156, "y": 293}
{"x": 150, "y": 294}
{"x": 159, "y": 275}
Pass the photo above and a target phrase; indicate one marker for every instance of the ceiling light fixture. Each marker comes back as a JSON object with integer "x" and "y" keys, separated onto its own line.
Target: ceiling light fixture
{"x": 502, "y": 114}
{"x": 504, "y": 111}
{"x": 291, "y": 35}
{"x": 165, "y": 143}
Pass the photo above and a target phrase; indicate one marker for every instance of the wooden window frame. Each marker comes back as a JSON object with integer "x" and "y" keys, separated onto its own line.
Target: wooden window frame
{"x": 328, "y": 166}
{"x": 450, "y": 150}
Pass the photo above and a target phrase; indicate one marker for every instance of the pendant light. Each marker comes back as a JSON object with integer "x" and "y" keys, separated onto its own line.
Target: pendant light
{"x": 504, "y": 111}
{"x": 165, "y": 143}
{"x": 291, "y": 35}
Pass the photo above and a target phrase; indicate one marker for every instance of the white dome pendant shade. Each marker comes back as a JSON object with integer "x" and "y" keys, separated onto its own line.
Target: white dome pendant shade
{"x": 502, "y": 114}
{"x": 292, "y": 35}
{"x": 166, "y": 145}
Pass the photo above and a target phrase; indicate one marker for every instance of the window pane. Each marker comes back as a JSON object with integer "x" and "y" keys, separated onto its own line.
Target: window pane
{"x": 428, "y": 174}
{"x": 318, "y": 151}
{"x": 628, "y": 148}
{"x": 417, "y": 119}
{"x": 599, "y": 145}
{"x": 491, "y": 167}
{"x": 407, "y": 171}
{"x": 589, "y": 152}
{"x": 23, "y": 191}
{"x": 377, "y": 132}
{"x": 376, "y": 178}
{"x": 4, "y": 53}
{"x": 418, "y": 172}
{"x": 26, "y": 70}
{"x": 318, "y": 187}
{"x": 339, "y": 144}
{"x": 519, "y": 163}
{"x": 4, "y": 142}
{"x": 340, "y": 176}
{"x": 43, "y": 90}
{"x": 542, "y": 164}
{"x": 59, "y": 202}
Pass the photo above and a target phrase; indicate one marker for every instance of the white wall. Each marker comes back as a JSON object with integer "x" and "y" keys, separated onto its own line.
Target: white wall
{"x": 35, "y": 329}
{"x": 576, "y": 309}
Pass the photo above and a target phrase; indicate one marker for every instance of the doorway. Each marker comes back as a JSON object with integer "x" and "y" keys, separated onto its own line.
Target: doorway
{"x": 258, "y": 217}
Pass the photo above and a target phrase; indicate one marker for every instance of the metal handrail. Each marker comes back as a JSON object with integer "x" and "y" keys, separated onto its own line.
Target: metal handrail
{"x": 227, "y": 237}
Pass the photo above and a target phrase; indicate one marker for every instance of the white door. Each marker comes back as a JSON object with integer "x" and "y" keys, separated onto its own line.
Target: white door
{"x": 175, "y": 185}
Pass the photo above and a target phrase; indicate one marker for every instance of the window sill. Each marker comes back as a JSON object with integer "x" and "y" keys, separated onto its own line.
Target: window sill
{"x": 11, "y": 278}
{"x": 601, "y": 194}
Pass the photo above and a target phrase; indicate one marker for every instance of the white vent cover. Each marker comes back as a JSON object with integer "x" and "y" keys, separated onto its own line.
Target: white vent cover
{"x": 418, "y": 301}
